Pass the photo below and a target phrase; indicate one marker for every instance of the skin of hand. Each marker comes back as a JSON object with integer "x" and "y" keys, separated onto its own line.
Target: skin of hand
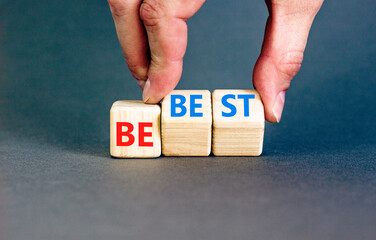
{"x": 153, "y": 37}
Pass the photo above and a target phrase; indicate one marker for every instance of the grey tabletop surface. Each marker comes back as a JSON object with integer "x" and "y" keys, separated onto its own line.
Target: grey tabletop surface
{"x": 61, "y": 68}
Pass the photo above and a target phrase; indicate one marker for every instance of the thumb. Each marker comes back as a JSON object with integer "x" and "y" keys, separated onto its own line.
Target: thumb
{"x": 285, "y": 39}
{"x": 166, "y": 29}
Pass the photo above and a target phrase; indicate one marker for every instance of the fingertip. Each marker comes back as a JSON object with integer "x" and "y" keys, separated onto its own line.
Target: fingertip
{"x": 162, "y": 80}
{"x": 273, "y": 113}
{"x": 139, "y": 72}
{"x": 146, "y": 93}
{"x": 273, "y": 105}
{"x": 141, "y": 83}
{"x": 271, "y": 87}
{"x": 148, "y": 96}
{"x": 279, "y": 103}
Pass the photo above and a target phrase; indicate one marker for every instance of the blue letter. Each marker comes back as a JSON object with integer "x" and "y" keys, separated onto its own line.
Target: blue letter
{"x": 180, "y": 105}
{"x": 246, "y": 98}
{"x": 228, "y": 105}
{"x": 195, "y": 105}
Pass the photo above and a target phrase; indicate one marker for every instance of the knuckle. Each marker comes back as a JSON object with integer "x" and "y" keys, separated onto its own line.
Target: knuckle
{"x": 120, "y": 8}
{"x": 187, "y": 8}
{"x": 313, "y": 6}
{"x": 137, "y": 71}
{"x": 138, "y": 75}
{"x": 151, "y": 11}
{"x": 288, "y": 8}
{"x": 290, "y": 63}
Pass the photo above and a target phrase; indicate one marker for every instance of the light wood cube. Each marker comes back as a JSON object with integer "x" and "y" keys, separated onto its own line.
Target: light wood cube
{"x": 238, "y": 123}
{"x": 135, "y": 130}
{"x": 186, "y": 123}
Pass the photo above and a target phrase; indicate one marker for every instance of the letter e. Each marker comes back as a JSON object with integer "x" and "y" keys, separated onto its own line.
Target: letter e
{"x": 142, "y": 134}
{"x": 195, "y": 105}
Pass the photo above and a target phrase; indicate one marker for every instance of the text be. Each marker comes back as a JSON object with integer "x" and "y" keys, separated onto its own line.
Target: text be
{"x": 128, "y": 133}
{"x": 178, "y": 101}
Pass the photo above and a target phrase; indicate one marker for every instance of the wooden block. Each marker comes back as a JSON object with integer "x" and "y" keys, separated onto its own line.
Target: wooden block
{"x": 186, "y": 123}
{"x": 135, "y": 130}
{"x": 238, "y": 123}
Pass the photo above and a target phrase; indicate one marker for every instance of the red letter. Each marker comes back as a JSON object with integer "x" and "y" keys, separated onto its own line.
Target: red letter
{"x": 142, "y": 134}
{"x": 120, "y": 134}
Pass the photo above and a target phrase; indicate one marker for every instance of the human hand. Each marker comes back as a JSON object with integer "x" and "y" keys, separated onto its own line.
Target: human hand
{"x": 153, "y": 36}
{"x": 285, "y": 39}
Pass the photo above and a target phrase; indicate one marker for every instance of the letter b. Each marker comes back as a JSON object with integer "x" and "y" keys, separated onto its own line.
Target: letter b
{"x": 180, "y": 105}
{"x": 120, "y": 134}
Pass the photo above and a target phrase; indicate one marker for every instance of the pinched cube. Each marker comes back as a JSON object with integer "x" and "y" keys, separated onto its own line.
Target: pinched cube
{"x": 135, "y": 130}
{"x": 238, "y": 123}
{"x": 186, "y": 123}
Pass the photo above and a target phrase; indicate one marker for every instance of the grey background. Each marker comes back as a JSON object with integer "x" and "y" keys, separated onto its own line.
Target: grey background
{"x": 62, "y": 68}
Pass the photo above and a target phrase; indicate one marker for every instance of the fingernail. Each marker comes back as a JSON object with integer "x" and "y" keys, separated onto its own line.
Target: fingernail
{"x": 141, "y": 83}
{"x": 145, "y": 96}
{"x": 278, "y": 105}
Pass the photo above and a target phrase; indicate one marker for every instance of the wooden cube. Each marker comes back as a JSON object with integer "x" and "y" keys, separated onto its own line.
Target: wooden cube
{"x": 135, "y": 130}
{"x": 238, "y": 123}
{"x": 186, "y": 123}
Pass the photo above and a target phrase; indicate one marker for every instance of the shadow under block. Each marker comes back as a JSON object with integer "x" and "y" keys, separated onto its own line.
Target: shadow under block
{"x": 186, "y": 123}
{"x": 238, "y": 123}
{"x": 135, "y": 130}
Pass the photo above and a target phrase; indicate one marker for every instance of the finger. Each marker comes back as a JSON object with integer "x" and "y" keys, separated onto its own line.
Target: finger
{"x": 132, "y": 36}
{"x": 166, "y": 29}
{"x": 285, "y": 39}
